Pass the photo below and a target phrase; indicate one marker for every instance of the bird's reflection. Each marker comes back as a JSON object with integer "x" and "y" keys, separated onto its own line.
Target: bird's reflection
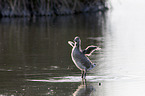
{"x": 84, "y": 89}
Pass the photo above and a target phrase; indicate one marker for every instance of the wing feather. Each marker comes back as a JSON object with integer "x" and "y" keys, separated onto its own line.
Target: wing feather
{"x": 90, "y": 49}
{"x": 71, "y": 43}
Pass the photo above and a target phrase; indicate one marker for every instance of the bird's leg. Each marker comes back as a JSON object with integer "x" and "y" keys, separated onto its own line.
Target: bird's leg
{"x": 85, "y": 72}
{"x": 82, "y": 73}
{"x": 83, "y": 82}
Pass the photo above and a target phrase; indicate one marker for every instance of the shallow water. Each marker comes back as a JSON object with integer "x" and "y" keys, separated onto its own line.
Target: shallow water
{"x": 35, "y": 57}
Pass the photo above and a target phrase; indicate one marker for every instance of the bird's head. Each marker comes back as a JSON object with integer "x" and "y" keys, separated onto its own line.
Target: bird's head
{"x": 77, "y": 41}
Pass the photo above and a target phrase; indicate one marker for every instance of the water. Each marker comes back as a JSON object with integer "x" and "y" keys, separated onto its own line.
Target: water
{"x": 35, "y": 57}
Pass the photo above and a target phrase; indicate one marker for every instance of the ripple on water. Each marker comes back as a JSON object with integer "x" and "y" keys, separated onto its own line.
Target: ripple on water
{"x": 6, "y": 70}
{"x": 76, "y": 79}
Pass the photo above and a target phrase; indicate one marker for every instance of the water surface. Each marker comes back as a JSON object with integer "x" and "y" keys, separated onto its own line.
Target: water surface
{"x": 35, "y": 57}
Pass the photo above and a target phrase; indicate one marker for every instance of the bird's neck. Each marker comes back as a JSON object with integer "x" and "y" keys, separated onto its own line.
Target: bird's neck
{"x": 78, "y": 45}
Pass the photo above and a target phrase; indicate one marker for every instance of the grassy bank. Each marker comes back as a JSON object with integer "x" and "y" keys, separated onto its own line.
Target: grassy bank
{"x": 48, "y": 7}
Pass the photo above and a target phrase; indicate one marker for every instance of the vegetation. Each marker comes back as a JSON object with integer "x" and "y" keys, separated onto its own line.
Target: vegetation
{"x": 48, "y": 7}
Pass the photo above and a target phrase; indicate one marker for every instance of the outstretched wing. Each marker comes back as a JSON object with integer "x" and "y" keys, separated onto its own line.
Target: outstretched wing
{"x": 90, "y": 49}
{"x": 71, "y": 43}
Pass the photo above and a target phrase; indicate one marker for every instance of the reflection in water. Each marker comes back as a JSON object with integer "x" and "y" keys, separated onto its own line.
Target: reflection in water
{"x": 84, "y": 89}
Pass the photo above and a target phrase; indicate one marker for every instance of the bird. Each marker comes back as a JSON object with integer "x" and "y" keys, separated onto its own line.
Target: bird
{"x": 80, "y": 57}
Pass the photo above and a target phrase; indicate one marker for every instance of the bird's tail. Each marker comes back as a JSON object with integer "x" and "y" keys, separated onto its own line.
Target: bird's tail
{"x": 93, "y": 65}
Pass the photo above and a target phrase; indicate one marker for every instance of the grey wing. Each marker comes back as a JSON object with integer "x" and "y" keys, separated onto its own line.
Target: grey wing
{"x": 89, "y": 50}
{"x": 71, "y": 43}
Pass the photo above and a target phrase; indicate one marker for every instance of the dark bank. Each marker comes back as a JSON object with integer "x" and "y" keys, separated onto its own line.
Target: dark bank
{"x": 29, "y": 8}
